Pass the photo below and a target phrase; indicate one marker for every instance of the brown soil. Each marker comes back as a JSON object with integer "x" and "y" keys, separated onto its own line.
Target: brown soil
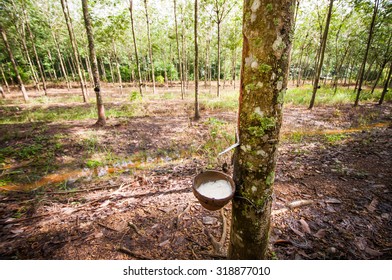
{"x": 332, "y": 199}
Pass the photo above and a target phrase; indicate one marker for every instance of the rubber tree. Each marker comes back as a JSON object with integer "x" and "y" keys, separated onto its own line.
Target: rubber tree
{"x": 135, "y": 47}
{"x": 150, "y": 55}
{"x": 221, "y": 9}
{"x": 322, "y": 52}
{"x": 14, "y": 65}
{"x": 385, "y": 89}
{"x": 267, "y": 32}
{"x": 369, "y": 41}
{"x": 75, "y": 52}
{"x": 94, "y": 64}
{"x": 178, "y": 50}
{"x": 197, "y": 114}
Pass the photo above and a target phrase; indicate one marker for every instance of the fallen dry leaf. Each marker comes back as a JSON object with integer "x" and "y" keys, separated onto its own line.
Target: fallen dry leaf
{"x": 373, "y": 205}
{"x": 305, "y": 226}
{"x": 373, "y": 252}
{"x": 320, "y": 233}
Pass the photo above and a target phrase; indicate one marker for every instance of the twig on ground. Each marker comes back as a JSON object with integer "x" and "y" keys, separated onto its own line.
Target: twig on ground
{"x": 134, "y": 227}
{"x": 107, "y": 227}
{"x": 218, "y": 245}
{"x": 132, "y": 254}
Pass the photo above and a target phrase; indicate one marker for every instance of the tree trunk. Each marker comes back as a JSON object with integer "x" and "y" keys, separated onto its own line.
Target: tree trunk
{"x": 150, "y": 47}
{"x": 64, "y": 5}
{"x": 111, "y": 70}
{"x": 103, "y": 71}
{"x": 196, "y": 74}
{"x": 385, "y": 89}
{"x": 60, "y": 57}
{"x": 234, "y": 67}
{"x": 52, "y": 65}
{"x": 135, "y": 47}
{"x": 322, "y": 51}
{"x": 71, "y": 67}
{"x": 94, "y": 65}
{"x": 38, "y": 61}
{"x": 362, "y": 70}
{"x": 22, "y": 35}
{"x": 219, "y": 61}
{"x": 384, "y": 63}
{"x": 178, "y": 51}
{"x": 4, "y": 78}
{"x": 117, "y": 66}
{"x": 264, "y": 75}
{"x": 18, "y": 78}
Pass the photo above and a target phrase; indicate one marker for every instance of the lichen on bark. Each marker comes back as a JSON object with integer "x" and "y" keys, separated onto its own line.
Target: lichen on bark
{"x": 266, "y": 47}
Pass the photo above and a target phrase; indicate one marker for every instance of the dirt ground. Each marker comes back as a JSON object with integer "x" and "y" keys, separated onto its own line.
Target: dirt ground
{"x": 332, "y": 193}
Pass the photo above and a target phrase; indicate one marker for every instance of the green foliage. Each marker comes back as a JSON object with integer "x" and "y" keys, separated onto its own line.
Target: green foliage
{"x": 160, "y": 79}
{"x": 135, "y": 96}
{"x": 93, "y": 163}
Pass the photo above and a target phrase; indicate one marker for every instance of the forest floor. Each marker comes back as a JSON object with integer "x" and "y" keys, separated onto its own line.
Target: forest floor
{"x": 71, "y": 190}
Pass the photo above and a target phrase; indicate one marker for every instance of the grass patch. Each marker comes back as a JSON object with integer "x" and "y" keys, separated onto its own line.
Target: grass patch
{"x": 227, "y": 101}
{"x": 334, "y": 139}
{"x": 328, "y": 96}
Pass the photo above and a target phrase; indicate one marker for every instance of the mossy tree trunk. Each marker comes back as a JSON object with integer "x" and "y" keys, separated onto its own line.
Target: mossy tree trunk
{"x": 94, "y": 65}
{"x": 267, "y": 32}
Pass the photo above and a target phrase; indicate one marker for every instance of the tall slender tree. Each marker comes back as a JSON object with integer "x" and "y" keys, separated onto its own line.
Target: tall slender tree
{"x": 221, "y": 9}
{"x": 178, "y": 51}
{"x": 94, "y": 64}
{"x": 135, "y": 47}
{"x": 386, "y": 84}
{"x": 4, "y": 79}
{"x": 75, "y": 52}
{"x": 14, "y": 65}
{"x": 369, "y": 42}
{"x": 322, "y": 53}
{"x": 197, "y": 114}
{"x": 150, "y": 47}
{"x": 38, "y": 61}
{"x": 264, "y": 74}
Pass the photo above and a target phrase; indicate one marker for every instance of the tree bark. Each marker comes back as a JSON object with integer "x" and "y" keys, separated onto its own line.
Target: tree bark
{"x": 150, "y": 48}
{"x": 264, "y": 73}
{"x": 14, "y": 65}
{"x": 94, "y": 65}
{"x": 322, "y": 52}
{"x": 362, "y": 70}
{"x": 385, "y": 89}
{"x": 64, "y": 5}
{"x": 135, "y": 47}
{"x": 196, "y": 74}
